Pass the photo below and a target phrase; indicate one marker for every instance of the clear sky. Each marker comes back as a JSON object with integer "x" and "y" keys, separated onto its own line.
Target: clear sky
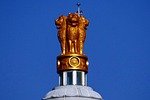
{"x": 117, "y": 44}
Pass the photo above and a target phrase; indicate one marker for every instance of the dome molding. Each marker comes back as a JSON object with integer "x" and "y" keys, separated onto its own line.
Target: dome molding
{"x": 73, "y": 91}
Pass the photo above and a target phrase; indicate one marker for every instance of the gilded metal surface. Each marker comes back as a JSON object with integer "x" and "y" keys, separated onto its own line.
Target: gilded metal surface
{"x": 71, "y": 35}
{"x": 61, "y": 26}
{"x": 72, "y": 62}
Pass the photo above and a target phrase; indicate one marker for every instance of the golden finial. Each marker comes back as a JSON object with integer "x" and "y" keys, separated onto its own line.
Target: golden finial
{"x": 71, "y": 35}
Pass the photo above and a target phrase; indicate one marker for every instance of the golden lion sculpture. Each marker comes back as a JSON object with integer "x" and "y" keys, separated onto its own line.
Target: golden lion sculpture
{"x": 72, "y": 33}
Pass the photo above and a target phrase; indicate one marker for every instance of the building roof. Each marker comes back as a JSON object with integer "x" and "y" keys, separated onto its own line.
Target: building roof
{"x": 73, "y": 91}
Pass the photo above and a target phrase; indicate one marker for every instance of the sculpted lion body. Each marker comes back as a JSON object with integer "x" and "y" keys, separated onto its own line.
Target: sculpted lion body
{"x": 83, "y": 23}
{"x": 72, "y": 33}
{"x": 61, "y": 26}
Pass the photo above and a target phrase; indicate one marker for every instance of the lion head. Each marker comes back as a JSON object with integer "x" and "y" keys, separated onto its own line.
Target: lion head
{"x": 60, "y": 21}
{"x": 73, "y": 19}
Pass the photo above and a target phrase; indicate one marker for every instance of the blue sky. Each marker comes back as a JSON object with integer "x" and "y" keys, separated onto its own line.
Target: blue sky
{"x": 117, "y": 44}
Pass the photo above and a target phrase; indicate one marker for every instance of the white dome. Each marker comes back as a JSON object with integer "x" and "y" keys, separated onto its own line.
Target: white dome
{"x": 72, "y": 92}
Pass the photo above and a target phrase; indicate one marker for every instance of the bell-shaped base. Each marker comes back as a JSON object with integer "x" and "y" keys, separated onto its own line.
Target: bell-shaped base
{"x": 72, "y": 92}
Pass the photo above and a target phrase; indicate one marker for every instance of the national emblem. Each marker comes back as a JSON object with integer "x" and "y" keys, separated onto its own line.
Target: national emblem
{"x": 71, "y": 35}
